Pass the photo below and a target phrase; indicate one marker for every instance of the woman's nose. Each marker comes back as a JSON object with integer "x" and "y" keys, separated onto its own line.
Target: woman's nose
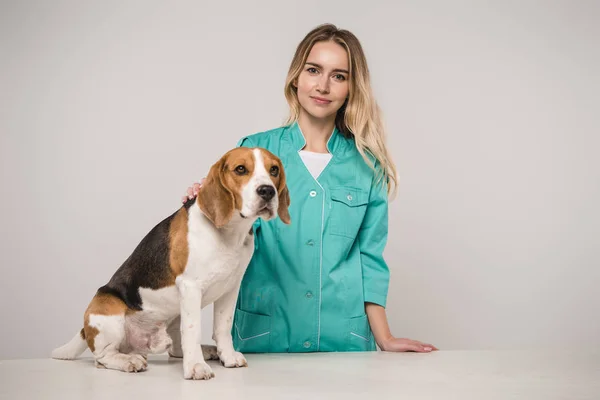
{"x": 323, "y": 85}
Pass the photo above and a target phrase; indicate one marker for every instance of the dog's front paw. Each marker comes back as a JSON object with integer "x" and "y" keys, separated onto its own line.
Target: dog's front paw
{"x": 197, "y": 371}
{"x": 233, "y": 359}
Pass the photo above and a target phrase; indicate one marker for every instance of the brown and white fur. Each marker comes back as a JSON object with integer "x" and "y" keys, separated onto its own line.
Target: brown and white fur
{"x": 195, "y": 257}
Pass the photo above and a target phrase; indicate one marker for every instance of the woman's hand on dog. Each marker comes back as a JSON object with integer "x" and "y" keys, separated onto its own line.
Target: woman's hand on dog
{"x": 192, "y": 191}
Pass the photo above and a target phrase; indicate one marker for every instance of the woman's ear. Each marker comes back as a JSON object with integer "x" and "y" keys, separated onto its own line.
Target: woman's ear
{"x": 214, "y": 198}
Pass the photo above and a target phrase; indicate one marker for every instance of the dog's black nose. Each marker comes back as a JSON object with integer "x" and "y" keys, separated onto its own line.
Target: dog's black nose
{"x": 266, "y": 192}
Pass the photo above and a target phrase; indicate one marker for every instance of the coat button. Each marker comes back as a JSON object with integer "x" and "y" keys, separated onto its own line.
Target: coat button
{"x": 310, "y": 243}
{"x": 349, "y": 197}
{"x": 313, "y": 193}
{"x": 306, "y": 345}
{"x": 308, "y": 295}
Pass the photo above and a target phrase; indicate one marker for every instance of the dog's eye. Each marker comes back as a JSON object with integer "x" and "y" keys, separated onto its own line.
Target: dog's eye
{"x": 241, "y": 170}
{"x": 275, "y": 170}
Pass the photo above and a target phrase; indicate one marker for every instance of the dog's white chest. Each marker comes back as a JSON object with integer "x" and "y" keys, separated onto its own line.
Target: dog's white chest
{"x": 217, "y": 260}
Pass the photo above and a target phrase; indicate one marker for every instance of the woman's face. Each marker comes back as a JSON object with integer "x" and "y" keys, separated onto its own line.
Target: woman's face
{"x": 323, "y": 84}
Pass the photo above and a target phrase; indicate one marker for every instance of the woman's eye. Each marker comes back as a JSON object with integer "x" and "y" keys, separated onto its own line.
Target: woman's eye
{"x": 274, "y": 171}
{"x": 241, "y": 170}
{"x": 312, "y": 70}
{"x": 340, "y": 77}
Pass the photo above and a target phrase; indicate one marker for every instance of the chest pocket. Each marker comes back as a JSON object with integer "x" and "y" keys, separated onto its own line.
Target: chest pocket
{"x": 348, "y": 206}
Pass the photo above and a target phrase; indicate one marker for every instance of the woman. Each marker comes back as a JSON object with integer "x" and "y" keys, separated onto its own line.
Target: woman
{"x": 320, "y": 284}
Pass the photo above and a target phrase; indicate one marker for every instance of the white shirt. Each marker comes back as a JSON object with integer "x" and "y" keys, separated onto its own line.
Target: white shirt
{"x": 315, "y": 162}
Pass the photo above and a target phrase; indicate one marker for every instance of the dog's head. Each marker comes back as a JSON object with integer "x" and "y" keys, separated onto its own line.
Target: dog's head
{"x": 248, "y": 181}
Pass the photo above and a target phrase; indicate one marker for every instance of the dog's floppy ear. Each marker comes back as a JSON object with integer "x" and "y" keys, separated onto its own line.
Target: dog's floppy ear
{"x": 214, "y": 198}
{"x": 284, "y": 198}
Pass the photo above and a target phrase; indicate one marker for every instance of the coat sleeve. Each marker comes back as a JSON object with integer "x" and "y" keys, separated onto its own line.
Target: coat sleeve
{"x": 372, "y": 239}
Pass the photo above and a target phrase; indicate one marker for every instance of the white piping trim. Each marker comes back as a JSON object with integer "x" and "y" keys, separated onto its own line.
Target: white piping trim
{"x": 237, "y": 330}
{"x": 362, "y": 337}
{"x": 321, "y": 265}
{"x": 322, "y": 226}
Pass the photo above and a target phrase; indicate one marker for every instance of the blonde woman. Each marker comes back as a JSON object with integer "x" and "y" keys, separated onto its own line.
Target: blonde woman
{"x": 321, "y": 283}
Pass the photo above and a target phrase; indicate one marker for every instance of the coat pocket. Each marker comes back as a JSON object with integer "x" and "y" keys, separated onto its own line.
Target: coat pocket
{"x": 251, "y": 332}
{"x": 348, "y": 207}
{"x": 360, "y": 337}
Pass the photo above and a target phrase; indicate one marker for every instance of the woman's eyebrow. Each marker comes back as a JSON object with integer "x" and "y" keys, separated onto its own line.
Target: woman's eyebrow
{"x": 319, "y": 66}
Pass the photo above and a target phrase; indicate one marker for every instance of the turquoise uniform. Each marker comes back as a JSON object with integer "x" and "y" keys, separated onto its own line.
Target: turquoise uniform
{"x": 307, "y": 283}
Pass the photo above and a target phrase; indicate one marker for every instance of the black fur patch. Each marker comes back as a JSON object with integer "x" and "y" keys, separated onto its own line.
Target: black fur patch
{"x": 189, "y": 203}
{"x": 147, "y": 267}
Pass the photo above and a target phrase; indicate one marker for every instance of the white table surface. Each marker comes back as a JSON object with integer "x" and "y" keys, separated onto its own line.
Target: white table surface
{"x": 464, "y": 375}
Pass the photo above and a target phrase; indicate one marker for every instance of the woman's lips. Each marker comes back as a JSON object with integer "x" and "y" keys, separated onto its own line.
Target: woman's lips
{"x": 320, "y": 100}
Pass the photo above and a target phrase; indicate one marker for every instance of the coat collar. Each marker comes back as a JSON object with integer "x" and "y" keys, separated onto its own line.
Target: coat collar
{"x": 336, "y": 143}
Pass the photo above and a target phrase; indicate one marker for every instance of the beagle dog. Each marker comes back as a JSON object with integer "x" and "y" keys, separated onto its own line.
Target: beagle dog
{"x": 195, "y": 257}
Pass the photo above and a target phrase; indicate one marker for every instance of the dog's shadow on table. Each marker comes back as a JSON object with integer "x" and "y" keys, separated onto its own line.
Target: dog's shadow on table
{"x": 157, "y": 360}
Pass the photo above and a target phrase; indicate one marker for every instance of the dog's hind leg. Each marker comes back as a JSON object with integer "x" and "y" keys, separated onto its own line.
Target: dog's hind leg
{"x": 112, "y": 359}
{"x": 209, "y": 352}
{"x": 104, "y": 327}
{"x": 160, "y": 341}
{"x": 174, "y": 331}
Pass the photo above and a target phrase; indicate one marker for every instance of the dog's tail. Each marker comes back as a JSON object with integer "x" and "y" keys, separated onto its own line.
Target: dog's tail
{"x": 73, "y": 349}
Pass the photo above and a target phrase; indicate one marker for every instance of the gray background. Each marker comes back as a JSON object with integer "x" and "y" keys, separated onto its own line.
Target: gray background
{"x": 110, "y": 109}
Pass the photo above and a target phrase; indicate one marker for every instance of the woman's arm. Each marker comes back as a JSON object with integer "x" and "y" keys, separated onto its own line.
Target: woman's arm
{"x": 384, "y": 338}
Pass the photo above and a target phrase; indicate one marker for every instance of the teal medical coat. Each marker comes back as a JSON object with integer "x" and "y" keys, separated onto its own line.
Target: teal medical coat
{"x": 307, "y": 283}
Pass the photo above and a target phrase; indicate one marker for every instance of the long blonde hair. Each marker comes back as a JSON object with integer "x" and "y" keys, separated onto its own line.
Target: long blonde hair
{"x": 360, "y": 116}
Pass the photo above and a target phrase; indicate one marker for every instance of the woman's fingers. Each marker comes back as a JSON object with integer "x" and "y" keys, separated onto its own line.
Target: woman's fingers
{"x": 193, "y": 190}
{"x": 196, "y": 188}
